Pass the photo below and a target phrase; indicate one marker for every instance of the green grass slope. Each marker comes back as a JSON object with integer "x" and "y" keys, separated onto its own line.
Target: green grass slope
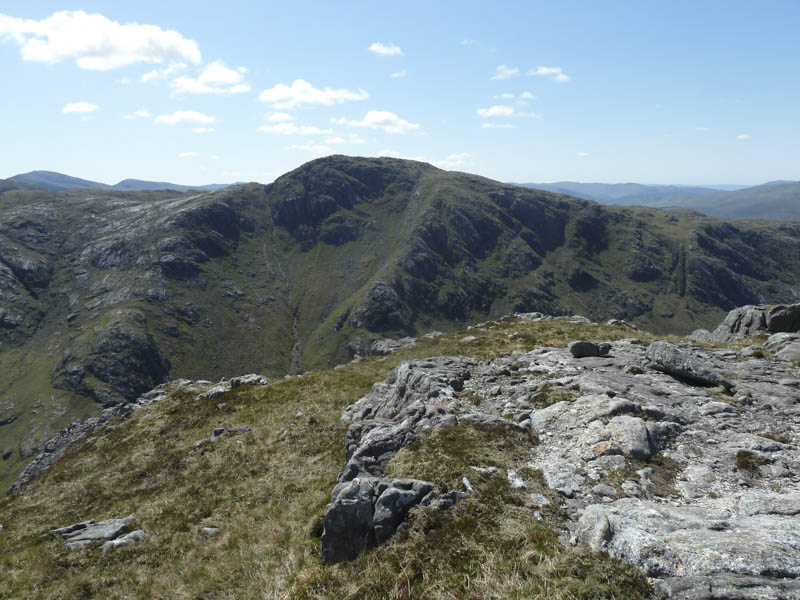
{"x": 266, "y": 491}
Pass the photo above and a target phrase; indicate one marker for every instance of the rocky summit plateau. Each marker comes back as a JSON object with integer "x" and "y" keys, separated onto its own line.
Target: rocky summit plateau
{"x": 530, "y": 456}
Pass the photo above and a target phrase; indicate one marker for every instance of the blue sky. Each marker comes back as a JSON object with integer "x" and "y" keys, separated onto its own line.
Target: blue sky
{"x": 654, "y": 92}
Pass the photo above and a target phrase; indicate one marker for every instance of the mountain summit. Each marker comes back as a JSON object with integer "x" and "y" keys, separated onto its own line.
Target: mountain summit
{"x": 105, "y": 295}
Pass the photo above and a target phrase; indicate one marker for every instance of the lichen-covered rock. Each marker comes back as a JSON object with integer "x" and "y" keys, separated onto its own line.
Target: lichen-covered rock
{"x": 692, "y": 541}
{"x": 348, "y": 522}
{"x": 670, "y": 359}
{"x": 82, "y": 534}
{"x": 751, "y": 320}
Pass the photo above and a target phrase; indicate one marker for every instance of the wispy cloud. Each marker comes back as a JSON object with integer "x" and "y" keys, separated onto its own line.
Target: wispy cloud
{"x": 554, "y": 73}
{"x": 385, "y": 49}
{"x": 527, "y": 96}
{"x": 380, "y": 119}
{"x": 505, "y": 96}
{"x": 185, "y": 116}
{"x": 399, "y": 74}
{"x": 702, "y": 129}
{"x": 80, "y": 107}
{"x": 300, "y": 92}
{"x": 203, "y": 129}
{"x": 498, "y": 110}
{"x": 454, "y": 161}
{"x": 142, "y": 113}
{"x": 216, "y": 79}
{"x": 317, "y": 149}
{"x": 95, "y": 42}
{"x": 498, "y": 126}
{"x": 396, "y": 154}
{"x": 164, "y": 73}
{"x": 349, "y": 138}
{"x": 294, "y": 129}
{"x": 505, "y": 72}
{"x": 583, "y": 154}
{"x": 188, "y": 155}
{"x": 743, "y": 137}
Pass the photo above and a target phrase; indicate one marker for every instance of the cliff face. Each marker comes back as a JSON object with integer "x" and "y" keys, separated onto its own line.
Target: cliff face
{"x": 104, "y": 294}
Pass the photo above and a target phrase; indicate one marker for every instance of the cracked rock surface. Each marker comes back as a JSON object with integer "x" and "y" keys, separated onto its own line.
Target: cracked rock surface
{"x": 681, "y": 460}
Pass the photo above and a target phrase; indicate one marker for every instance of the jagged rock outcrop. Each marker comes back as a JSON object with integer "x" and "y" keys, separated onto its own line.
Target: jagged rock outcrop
{"x": 367, "y": 507}
{"x": 656, "y": 457}
{"x": 752, "y": 320}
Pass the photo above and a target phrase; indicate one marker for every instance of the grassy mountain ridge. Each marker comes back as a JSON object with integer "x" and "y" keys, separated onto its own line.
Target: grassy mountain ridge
{"x": 51, "y": 180}
{"x": 774, "y": 200}
{"x": 106, "y": 293}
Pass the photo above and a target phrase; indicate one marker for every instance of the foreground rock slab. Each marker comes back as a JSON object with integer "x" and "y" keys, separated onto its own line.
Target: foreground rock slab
{"x": 679, "y": 459}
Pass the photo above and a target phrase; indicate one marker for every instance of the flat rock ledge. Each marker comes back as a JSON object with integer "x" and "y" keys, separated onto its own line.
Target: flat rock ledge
{"x": 678, "y": 459}
{"x": 112, "y": 533}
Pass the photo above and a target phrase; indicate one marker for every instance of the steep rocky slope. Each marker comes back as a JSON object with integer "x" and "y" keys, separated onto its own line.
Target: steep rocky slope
{"x": 104, "y": 294}
{"x": 531, "y": 456}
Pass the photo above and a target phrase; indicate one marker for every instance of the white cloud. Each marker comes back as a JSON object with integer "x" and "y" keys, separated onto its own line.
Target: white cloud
{"x": 164, "y": 73}
{"x": 142, "y": 113}
{"x": 203, "y": 129}
{"x": 554, "y": 73}
{"x": 380, "y": 119}
{"x": 350, "y": 138}
{"x": 399, "y": 74}
{"x": 702, "y": 129}
{"x": 188, "y": 155}
{"x": 469, "y": 42}
{"x": 80, "y": 107}
{"x": 504, "y": 72}
{"x": 396, "y": 154}
{"x": 214, "y": 157}
{"x": 185, "y": 116}
{"x": 301, "y": 92}
{"x": 743, "y": 137}
{"x": 278, "y": 117}
{"x": 318, "y": 149}
{"x": 385, "y": 49}
{"x": 453, "y": 161}
{"x": 582, "y": 154}
{"x": 216, "y": 78}
{"x": 527, "y": 96}
{"x": 497, "y": 126}
{"x": 293, "y": 129}
{"x": 505, "y": 96}
{"x": 498, "y": 110}
{"x": 95, "y": 42}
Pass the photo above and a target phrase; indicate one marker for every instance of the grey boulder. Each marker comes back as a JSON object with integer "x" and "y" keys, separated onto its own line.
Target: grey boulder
{"x": 668, "y": 358}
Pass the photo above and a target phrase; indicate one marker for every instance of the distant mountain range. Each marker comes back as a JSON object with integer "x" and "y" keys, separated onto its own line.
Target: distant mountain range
{"x": 58, "y": 181}
{"x": 774, "y": 200}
